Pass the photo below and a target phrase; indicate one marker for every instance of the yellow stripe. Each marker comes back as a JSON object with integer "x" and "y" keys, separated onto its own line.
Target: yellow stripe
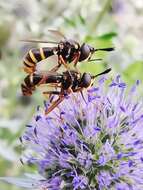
{"x": 33, "y": 56}
{"x": 31, "y": 78}
{"x": 28, "y": 70}
{"x": 42, "y": 53}
{"x": 29, "y": 63}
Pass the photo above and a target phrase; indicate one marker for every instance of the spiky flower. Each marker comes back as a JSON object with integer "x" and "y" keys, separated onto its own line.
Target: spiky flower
{"x": 95, "y": 144}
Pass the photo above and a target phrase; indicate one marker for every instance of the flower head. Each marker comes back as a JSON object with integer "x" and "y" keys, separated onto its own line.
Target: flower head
{"x": 92, "y": 144}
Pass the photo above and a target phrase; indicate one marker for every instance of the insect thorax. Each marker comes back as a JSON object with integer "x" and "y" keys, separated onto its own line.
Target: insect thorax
{"x": 68, "y": 49}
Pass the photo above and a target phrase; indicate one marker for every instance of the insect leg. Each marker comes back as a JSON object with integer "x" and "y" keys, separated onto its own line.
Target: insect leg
{"x": 54, "y": 69}
{"x": 50, "y": 93}
{"x": 59, "y": 100}
{"x": 89, "y": 59}
{"x": 55, "y": 104}
{"x": 80, "y": 89}
{"x": 75, "y": 61}
{"x": 81, "y": 92}
{"x": 62, "y": 61}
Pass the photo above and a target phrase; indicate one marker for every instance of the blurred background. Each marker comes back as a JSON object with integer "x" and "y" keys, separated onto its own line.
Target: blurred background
{"x": 106, "y": 23}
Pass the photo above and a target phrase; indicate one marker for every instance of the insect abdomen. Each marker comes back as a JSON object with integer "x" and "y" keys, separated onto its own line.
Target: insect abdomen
{"x": 25, "y": 90}
{"x": 29, "y": 84}
{"x": 34, "y": 56}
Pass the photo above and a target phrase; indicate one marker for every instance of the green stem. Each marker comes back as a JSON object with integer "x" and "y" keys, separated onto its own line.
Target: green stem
{"x": 100, "y": 16}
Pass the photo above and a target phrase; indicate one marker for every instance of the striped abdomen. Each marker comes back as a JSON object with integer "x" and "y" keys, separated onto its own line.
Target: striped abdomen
{"x": 36, "y": 79}
{"x": 36, "y": 55}
{"x": 29, "y": 84}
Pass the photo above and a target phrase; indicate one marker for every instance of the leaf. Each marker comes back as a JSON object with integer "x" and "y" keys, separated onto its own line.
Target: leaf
{"x": 81, "y": 19}
{"x": 107, "y": 36}
{"x": 134, "y": 71}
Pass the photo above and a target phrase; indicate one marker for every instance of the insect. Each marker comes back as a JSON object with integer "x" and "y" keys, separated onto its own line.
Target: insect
{"x": 63, "y": 83}
{"x": 67, "y": 50}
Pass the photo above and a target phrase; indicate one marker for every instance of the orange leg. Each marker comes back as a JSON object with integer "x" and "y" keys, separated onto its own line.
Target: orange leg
{"x": 51, "y": 92}
{"x": 48, "y": 94}
{"x": 43, "y": 81}
{"x": 62, "y": 61}
{"x": 55, "y": 104}
{"x": 80, "y": 89}
{"x": 59, "y": 100}
{"x": 75, "y": 61}
{"x": 56, "y": 85}
{"x": 90, "y": 56}
{"x": 55, "y": 68}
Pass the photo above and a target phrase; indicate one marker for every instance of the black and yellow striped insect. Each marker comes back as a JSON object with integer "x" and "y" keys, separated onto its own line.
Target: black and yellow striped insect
{"x": 63, "y": 84}
{"x": 67, "y": 51}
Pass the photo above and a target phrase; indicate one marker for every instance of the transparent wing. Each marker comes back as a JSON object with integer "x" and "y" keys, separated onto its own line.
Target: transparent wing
{"x": 38, "y": 41}
{"x": 57, "y": 34}
{"x": 48, "y": 90}
{"x": 47, "y": 73}
{"x": 47, "y": 64}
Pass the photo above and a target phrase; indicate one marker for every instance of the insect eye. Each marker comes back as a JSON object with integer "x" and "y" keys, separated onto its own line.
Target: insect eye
{"x": 84, "y": 52}
{"x": 85, "y": 80}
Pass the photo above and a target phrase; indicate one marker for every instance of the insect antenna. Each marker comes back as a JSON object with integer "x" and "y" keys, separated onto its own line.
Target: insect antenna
{"x": 95, "y": 60}
{"x": 102, "y": 73}
{"x": 104, "y": 49}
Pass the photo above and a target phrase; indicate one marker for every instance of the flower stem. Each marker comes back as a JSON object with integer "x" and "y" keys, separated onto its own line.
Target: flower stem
{"x": 100, "y": 16}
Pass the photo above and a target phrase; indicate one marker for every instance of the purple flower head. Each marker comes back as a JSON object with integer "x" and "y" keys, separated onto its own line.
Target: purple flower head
{"x": 92, "y": 144}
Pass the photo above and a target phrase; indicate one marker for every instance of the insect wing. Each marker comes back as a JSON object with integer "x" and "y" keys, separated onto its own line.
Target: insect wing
{"x": 47, "y": 64}
{"x": 54, "y": 34}
{"x": 45, "y": 88}
{"x": 38, "y": 41}
{"x": 58, "y": 34}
